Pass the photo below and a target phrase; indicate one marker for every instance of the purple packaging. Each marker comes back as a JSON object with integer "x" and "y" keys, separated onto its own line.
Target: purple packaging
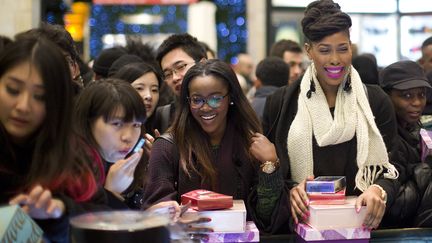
{"x": 250, "y": 235}
{"x": 309, "y": 234}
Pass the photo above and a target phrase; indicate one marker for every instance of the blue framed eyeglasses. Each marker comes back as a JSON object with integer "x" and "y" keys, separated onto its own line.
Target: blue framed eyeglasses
{"x": 214, "y": 101}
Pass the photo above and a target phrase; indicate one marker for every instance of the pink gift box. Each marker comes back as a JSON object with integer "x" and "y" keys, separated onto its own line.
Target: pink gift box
{"x": 207, "y": 200}
{"x": 250, "y": 235}
{"x": 308, "y": 233}
{"x": 426, "y": 143}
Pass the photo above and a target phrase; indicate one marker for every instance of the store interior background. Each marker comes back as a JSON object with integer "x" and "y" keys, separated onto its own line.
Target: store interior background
{"x": 392, "y": 30}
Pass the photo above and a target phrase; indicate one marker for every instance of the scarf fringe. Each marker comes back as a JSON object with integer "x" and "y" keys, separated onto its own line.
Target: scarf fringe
{"x": 368, "y": 174}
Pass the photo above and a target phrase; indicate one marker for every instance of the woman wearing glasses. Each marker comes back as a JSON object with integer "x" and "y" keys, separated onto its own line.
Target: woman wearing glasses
{"x": 215, "y": 143}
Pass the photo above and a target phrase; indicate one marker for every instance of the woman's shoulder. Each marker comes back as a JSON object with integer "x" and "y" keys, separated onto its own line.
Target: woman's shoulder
{"x": 375, "y": 91}
{"x": 378, "y": 99}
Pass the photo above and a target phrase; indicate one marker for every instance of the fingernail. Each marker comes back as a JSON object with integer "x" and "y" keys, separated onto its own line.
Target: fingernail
{"x": 209, "y": 220}
{"x": 357, "y": 210}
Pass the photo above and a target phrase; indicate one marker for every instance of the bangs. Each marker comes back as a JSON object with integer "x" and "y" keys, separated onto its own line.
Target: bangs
{"x": 126, "y": 105}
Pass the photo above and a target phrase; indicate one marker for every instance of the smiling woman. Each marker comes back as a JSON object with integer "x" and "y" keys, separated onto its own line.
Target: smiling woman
{"x": 328, "y": 123}
{"x": 217, "y": 145}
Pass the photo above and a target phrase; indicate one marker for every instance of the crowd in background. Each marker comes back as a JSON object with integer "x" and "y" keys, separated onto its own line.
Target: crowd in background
{"x": 258, "y": 133}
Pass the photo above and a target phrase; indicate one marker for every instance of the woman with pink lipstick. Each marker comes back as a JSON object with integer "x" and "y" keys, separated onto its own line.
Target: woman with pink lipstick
{"x": 43, "y": 166}
{"x": 406, "y": 84}
{"x": 215, "y": 143}
{"x": 329, "y": 123}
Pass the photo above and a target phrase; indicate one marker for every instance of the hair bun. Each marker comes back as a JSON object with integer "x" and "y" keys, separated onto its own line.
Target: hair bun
{"x": 323, "y": 18}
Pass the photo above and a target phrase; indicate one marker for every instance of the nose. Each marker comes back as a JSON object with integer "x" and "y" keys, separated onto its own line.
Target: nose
{"x": 147, "y": 95}
{"x": 24, "y": 102}
{"x": 417, "y": 101}
{"x": 335, "y": 60}
{"x": 297, "y": 69}
{"x": 206, "y": 107}
{"x": 177, "y": 76}
{"x": 127, "y": 134}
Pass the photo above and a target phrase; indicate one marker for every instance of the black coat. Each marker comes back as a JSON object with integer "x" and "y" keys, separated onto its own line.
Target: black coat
{"x": 280, "y": 111}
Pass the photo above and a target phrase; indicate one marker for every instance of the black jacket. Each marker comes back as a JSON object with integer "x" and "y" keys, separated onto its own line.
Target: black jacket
{"x": 281, "y": 108}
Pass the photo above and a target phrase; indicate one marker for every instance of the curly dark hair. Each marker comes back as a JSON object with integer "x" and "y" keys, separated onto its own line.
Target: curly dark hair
{"x": 323, "y": 18}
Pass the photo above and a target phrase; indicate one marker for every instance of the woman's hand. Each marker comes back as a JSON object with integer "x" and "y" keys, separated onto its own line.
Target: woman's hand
{"x": 121, "y": 173}
{"x": 40, "y": 204}
{"x": 170, "y": 207}
{"x": 148, "y": 143}
{"x": 262, "y": 149}
{"x": 300, "y": 201}
{"x": 375, "y": 207}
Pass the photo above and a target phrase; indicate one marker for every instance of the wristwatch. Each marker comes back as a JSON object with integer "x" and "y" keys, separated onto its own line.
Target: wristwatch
{"x": 269, "y": 167}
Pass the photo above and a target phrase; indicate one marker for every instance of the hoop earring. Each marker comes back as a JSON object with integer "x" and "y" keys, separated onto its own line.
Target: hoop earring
{"x": 311, "y": 89}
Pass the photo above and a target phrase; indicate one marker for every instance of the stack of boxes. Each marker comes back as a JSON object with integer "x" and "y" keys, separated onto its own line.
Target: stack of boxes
{"x": 333, "y": 216}
{"x": 228, "y": 216}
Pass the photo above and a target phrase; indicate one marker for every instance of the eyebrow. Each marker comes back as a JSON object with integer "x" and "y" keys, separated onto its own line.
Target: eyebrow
{"x": 214, "y": 93}
{"x": 173, "y": 65}
{"x": 17, "y": 80}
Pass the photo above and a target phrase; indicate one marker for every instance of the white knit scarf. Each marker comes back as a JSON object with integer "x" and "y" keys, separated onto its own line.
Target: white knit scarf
{"x": 352, "y": 116}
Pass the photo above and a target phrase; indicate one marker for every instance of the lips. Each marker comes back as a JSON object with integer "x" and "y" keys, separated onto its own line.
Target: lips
{"x": 208, "y": 117}
{"x": 125, "y": 151}
{"x": 414, "y": 114}
{"x": 148, "y": 107}
{"x": 19, "y": 121}
{"x": 334, "y": 72}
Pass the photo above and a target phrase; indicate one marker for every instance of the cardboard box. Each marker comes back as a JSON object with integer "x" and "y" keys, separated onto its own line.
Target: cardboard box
{"x": 326, "y": 184}
{"x": 425, "y": 143}
{"x": 250, "y": 235}
{"x": 16, "y": 226}
{"x": 207, "y": 200}
{"x": 336, "y": 216}
{"x": 308, "y": 233}
{"x": 231, "y": 220}
{"x": 320, "y": 198}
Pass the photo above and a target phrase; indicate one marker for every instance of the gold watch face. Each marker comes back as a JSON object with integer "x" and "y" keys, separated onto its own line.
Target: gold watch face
{"x": 268, "y": 168}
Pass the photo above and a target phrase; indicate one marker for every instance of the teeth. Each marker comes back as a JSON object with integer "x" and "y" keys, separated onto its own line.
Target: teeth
{"x": 334, "y": 71}
{"x": 208, "y": 117}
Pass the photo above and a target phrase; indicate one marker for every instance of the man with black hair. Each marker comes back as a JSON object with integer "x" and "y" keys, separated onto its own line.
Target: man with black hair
{"x": 176, "y": 55}
{"x": 291, "y": 52}
{"x": 271, "y": 73}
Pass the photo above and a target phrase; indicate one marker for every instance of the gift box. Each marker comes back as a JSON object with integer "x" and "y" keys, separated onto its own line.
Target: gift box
{"x": 426, "y": 143}
{"x": 320, "y": 198}
{"x": 336, "y": 216}
{"x": 326, "y": 184}
{"x": 309, "y": 234}
{"x": 231, "y": 220}
{"x": 207, "y": 200}
{"x": 16, "y": 226}
{"x": 250, "y": 235}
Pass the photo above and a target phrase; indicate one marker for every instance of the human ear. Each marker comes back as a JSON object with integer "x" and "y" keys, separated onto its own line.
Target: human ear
{"x": 308, "y": 48}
